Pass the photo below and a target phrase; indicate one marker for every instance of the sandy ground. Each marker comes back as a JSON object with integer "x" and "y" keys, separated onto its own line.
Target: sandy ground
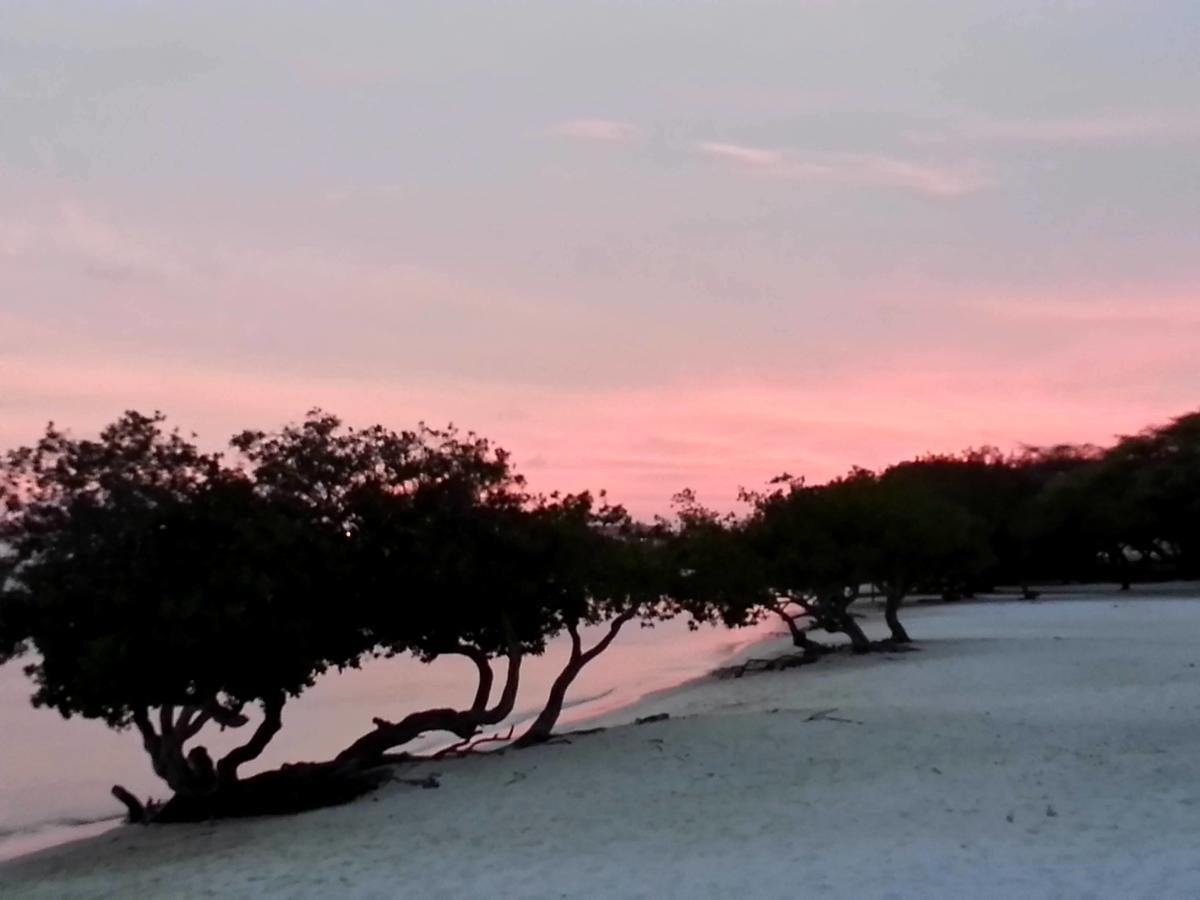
{"x": 1029, "y": 750}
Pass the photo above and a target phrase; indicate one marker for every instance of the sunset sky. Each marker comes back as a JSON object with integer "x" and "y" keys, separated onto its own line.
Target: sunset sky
{"x": 643, "y": 244}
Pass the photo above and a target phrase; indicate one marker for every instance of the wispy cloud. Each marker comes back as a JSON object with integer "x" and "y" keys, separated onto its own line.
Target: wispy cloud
{"x": 1091, "y": 130}
{"x": 605, "y": 131}
{"x": 750, "y": 156}
{"x": 65, "y": 233}
{"x": 853, "y": 168}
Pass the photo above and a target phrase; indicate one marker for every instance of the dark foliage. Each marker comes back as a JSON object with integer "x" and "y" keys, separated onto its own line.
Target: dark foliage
{"x": 150, "y": 584}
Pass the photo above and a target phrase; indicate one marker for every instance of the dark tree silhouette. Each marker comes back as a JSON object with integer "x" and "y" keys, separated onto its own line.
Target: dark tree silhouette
{"x": 159, "y": 590}
{"x": 916, "y": 537}
{"x": 610, "y": 571}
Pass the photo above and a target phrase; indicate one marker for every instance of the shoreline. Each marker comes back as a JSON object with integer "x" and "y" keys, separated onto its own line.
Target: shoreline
{"x": 21, "y": 843}
{"x": 1029, "y": 749}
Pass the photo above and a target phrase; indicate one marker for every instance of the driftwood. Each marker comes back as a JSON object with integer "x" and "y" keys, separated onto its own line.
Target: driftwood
{"x": 646, "y": 720}
{"x": 824, "y": 715}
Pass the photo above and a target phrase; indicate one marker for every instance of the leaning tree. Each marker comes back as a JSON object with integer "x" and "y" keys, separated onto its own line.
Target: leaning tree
{"x": 433, "y": 523}
{"x": 814, "y": 547}
{"x": 719, "y": 574}
{"x": 152, "y": 586}
{"x": 915, "y": 536}
{"x": 605, "y": 571}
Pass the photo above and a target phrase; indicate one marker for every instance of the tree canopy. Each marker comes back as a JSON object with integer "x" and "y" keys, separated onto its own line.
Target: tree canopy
{"x": 149, "y": 583}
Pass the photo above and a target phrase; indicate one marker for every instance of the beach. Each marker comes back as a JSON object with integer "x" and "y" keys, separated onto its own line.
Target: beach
{"x": 55, "y": 774}
{"x": 1040, "y": 749}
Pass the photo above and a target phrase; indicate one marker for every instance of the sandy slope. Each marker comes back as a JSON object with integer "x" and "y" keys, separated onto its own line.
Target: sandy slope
{"x": 1030, "y": 750}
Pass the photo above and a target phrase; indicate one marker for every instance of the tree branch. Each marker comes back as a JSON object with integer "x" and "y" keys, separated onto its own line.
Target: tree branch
{"x": 184, "y": 721}
{"x": 166, "y": 720}
{"x": 512, "y": 680}
{"x": 543, "y": 725}
{"x": 373, "y": 745}
{"x": 150, "y": 739}
{"x": 468, "y": 745}
{"x": 267, "y": 729}
{"x": 191, "y": 728}
{"x": 483, "y": 692}
{"x": 615, "y": 627}
{"x": 576, "y": 642}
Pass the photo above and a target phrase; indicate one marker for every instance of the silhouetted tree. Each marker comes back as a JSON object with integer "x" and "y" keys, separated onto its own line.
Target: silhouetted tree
{"x": 719, "y": 573}
{"x": 609, "y": 571}
{"x": 916, "y": 536}
{"x": 442, "y": 558}
{"x": 158, "y": 589}
{"x": 815, "y": 549}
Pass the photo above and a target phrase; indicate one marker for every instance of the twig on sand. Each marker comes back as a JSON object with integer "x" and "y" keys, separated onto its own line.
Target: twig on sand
{"x": 765, "y": 664}
{"x": 462, "y": 748}
{"x": 823, "y": 715}
{"x": 647, "y": 720}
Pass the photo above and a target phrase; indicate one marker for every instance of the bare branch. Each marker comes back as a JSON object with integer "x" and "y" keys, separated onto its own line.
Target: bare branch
{"x": 462, "y": 748}
{"x": 267, "y": 729}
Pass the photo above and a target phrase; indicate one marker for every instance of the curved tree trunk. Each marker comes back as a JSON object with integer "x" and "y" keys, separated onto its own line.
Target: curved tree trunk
{"x": 192, "y": 774}
{"x": 859, "y": 641}
{"x": 891, "y": 610}
{"x": 387, "y": 734}
{"x": 848, "y": 625}
{"x": 508, "y": 697}
{"x": 463, "y": 724}
{"x": 269, "y": 727}
{"x": 800, "y": 637}
{"x": 543, "y": 725}
{"x": 165, "y": 748}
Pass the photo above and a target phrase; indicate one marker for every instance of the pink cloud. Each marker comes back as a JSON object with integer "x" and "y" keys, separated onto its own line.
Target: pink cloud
{"x": 606, "y": 131}
{"x": 875, "y": 170}
{"x": 749, "y": 156}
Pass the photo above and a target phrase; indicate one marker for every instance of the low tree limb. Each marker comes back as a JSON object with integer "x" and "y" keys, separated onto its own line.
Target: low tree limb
{"x": 253, "y": 748}
{"x": 544, "y": 724}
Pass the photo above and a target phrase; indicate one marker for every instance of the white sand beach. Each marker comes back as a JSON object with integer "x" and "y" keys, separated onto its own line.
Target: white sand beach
{"x": 1043, "y": 749}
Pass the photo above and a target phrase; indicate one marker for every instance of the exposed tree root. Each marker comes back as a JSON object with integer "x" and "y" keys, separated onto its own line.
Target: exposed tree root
{"x": 805, "y": 657}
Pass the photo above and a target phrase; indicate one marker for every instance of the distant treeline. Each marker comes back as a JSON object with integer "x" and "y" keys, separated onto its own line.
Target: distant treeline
{"x": 161, "y": 587}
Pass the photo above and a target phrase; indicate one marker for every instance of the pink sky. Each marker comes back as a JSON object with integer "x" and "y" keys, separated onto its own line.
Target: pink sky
{"x": 795, "y": 237}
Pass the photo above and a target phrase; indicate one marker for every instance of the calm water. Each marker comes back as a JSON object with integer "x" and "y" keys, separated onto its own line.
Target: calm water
{"x": 55, "y": 774}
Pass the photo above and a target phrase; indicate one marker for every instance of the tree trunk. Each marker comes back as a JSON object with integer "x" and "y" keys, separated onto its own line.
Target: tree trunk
{"x": 462, "y": 724}
{"x": 835, "y": 617}
{"x": 253, "y": 748}
{"x": 387, "y": 734}
{"x": 543, "y": 725}
{"x": 166, "y": 749}
{"x": 508, "y": 697}
{"x": 891, "y": 610}
{"x": 847, "y": 624}
{"x": 483, "y": 692}
{"x": 799, "y": 635}
{"x": 137, "y": 811}
{"x": 858, "y": 639}
{"x": 1120, "y": 563}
